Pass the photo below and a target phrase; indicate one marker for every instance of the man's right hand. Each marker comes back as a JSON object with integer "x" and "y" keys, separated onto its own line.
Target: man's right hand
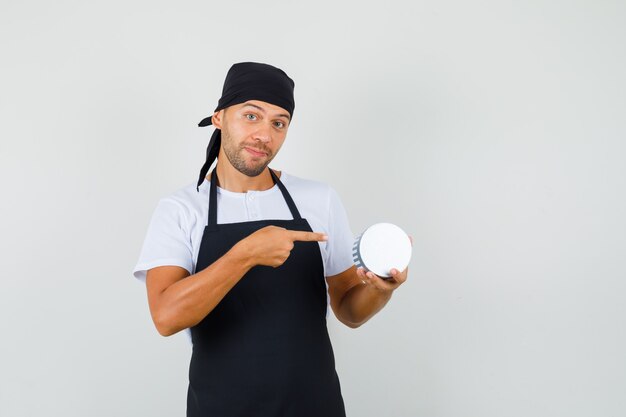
{"x": 272, "y": 245}
{"x": 178, "y": 300}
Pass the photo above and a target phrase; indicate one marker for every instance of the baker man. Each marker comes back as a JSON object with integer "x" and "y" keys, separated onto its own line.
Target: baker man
{"x": 247, "y": 260}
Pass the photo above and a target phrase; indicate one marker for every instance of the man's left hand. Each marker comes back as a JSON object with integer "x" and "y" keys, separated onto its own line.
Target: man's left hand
{"x": 384, "y": 284}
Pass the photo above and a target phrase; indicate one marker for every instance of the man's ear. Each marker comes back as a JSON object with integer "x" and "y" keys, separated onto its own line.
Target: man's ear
{"x": 216, "y": 119}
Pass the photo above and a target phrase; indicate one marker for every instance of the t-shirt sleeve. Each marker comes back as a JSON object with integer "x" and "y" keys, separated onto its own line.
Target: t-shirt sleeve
{"x": 340, "y": 237}
{"x": 168, "y": 241}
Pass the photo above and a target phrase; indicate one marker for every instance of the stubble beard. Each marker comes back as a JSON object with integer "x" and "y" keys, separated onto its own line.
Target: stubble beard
{"x": 238, "y": 161}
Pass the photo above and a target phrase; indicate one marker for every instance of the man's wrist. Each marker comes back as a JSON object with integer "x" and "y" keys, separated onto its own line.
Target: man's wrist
{"x": 242, "y": 255}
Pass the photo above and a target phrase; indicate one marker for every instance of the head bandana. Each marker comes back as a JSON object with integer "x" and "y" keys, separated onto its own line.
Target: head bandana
{"x": 248, "y": 81}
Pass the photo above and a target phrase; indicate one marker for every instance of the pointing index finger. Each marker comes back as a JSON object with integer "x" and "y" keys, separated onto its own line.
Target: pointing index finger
{"x": 307, "y": 236}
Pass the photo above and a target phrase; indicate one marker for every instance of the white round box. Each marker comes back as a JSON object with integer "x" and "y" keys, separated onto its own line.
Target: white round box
{"x": 381, "y": 247}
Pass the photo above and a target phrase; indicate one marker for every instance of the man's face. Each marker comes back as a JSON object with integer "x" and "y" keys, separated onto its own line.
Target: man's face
{"x": 252, "y": 134}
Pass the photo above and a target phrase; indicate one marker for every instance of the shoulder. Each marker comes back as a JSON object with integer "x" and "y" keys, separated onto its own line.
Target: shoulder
{"x": 299, "y": 184}
{"x": 186, "y": 200}
{"x": 188, "y": 194}
{"x": 316, "y": 195}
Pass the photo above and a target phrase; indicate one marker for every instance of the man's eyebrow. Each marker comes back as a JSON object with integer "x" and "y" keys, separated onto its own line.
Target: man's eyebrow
{"x": 263, "y": 110}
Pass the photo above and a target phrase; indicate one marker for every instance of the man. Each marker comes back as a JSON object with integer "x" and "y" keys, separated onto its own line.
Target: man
{"x": 247, "y": 261}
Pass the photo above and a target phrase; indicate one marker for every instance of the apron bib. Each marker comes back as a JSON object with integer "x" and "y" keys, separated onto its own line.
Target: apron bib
{"x": 264, "y": 350}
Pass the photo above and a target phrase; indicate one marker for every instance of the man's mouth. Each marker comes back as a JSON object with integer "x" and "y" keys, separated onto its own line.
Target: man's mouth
{"x": 255, "y": 152}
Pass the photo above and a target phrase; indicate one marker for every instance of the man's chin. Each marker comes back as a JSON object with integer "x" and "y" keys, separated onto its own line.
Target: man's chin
{"x": 253, "y": 172}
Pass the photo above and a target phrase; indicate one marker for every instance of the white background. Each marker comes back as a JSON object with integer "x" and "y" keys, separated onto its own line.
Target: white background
{"x": 493, "y": 132}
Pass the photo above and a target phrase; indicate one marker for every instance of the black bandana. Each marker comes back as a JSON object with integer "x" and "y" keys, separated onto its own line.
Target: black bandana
{"x": 248, "y": 81}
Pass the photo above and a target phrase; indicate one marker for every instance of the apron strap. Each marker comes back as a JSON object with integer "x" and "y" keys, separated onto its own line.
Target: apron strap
{"x": 213, "y": 199}
{"x": 292, "y": 206}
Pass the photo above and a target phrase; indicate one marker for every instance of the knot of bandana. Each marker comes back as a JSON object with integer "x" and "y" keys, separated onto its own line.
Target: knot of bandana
{"x": 248, "y": 81}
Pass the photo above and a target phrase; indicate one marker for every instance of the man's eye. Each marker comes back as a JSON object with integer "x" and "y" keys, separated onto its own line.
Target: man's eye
{"x": 250, "y": 116}
{"x": 279, "y": 125}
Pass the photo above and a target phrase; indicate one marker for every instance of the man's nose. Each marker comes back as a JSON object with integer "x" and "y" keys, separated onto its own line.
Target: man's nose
{"x": 263, "y": 133}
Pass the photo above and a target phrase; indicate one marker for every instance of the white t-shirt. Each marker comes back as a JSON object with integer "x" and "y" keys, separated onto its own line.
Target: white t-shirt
{"x": 177, "y": 224}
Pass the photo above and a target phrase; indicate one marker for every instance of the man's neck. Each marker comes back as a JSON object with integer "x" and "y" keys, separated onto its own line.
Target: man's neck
{"x": 232, "y": 180}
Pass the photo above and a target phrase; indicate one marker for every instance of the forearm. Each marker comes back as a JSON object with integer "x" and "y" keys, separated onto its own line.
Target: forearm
{"x": 186, "y": 302}
{"x": 361, "y": 303}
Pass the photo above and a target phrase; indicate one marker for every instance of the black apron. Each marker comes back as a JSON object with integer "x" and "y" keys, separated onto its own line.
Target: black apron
{"x": 264, "y": 350}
